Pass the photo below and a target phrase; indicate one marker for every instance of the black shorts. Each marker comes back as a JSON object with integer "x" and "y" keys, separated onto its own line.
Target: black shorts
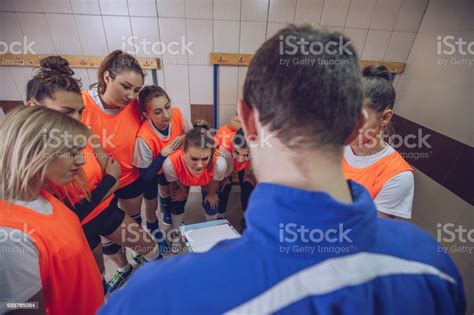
{"x": 150, "y": 188}
{"x": 162, "y": 180}
{"x": 130, "y": 191}
{"x": 104, "y": 224}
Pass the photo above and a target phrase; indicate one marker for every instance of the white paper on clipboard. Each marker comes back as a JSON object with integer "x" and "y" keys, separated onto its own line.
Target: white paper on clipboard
{"x": 202, "y": 237}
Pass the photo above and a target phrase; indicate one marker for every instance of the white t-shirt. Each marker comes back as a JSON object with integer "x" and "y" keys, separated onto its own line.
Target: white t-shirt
{"x": 20, "y": 275}
{"x": 95, "y": 96}
{"x": 142, "y": 154}
{"x": 396, "y": 196}
{"x": 219, "y": 170}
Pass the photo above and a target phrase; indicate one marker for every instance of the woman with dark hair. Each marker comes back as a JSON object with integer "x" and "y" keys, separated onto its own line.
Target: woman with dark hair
{"x": 161, "y": 133}
{"x": 234, "y": 147}
{"x": 111, "y": 111}
{"x": 196, "y": 164}
{"x": 54, "y": 87}
{"x": 370, "y": 160}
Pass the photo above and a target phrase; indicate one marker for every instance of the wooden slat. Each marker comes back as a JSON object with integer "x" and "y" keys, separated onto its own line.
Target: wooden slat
{"x": 231, "y": 59}
{"x": 227, "y": 59}
{"x": 393, "y": 67}
{"x": 75, "y": 61}
{"x": 203, "y": 111}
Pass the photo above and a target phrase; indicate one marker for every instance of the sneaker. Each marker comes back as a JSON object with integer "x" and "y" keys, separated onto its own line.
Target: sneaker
{"x": 160, "y": 240}
{"x": 176, "y": 246}
{"x": 139, "y": 260}
{"x": 118, "y": 279}
{"x": 164, "y": 248}
{"x": 167, "y": 218}
{"x": 105, "y": 286}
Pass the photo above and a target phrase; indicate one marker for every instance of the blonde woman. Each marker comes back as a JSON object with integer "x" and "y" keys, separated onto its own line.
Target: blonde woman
{"x": 45, "y": 256}
{"x": 54, "y": 87}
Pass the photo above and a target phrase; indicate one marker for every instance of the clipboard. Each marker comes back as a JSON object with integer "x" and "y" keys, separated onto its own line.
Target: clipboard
{"x": 201, "y": 237}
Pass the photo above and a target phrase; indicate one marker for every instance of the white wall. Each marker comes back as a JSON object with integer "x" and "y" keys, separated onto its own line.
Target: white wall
{"x": 380, "y": 29}
{"x": 440, "y": 97}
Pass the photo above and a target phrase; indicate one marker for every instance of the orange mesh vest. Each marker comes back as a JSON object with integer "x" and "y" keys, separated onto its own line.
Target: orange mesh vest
{"x": 156, "y": 143}
{"x": 120, "y": 130}
{"x": 224, "y": 138}
{"x": 185, "y": 176}
{"x": 71, "y": 281}
{"x": 376, "y": 175}
{"x": 94, "y": 175}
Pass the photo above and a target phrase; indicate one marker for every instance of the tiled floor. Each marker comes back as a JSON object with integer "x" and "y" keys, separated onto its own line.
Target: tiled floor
{"x": 194, "y": 214}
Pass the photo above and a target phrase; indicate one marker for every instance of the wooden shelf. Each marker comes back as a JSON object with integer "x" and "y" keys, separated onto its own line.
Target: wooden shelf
{"x": 228, "y": 59}
{"x": 75, "y": 61}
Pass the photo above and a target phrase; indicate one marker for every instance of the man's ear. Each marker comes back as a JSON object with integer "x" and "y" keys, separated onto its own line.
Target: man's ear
{"x": 248, "y": 121}
{"x": 363, "y": 117}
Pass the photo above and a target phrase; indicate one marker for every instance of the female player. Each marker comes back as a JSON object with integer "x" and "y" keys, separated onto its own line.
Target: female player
{"x": 370, "y": 160}
{"x": 196, "y": 164}
{"x": 54, "y": 87}
{"x": 48, "y": 261}
{"x": 234, "y": 147}
{"x": 161, "y": 134}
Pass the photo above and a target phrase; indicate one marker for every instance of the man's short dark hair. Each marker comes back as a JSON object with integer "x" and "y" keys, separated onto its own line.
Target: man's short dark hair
{"x": 309, "y": 97}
